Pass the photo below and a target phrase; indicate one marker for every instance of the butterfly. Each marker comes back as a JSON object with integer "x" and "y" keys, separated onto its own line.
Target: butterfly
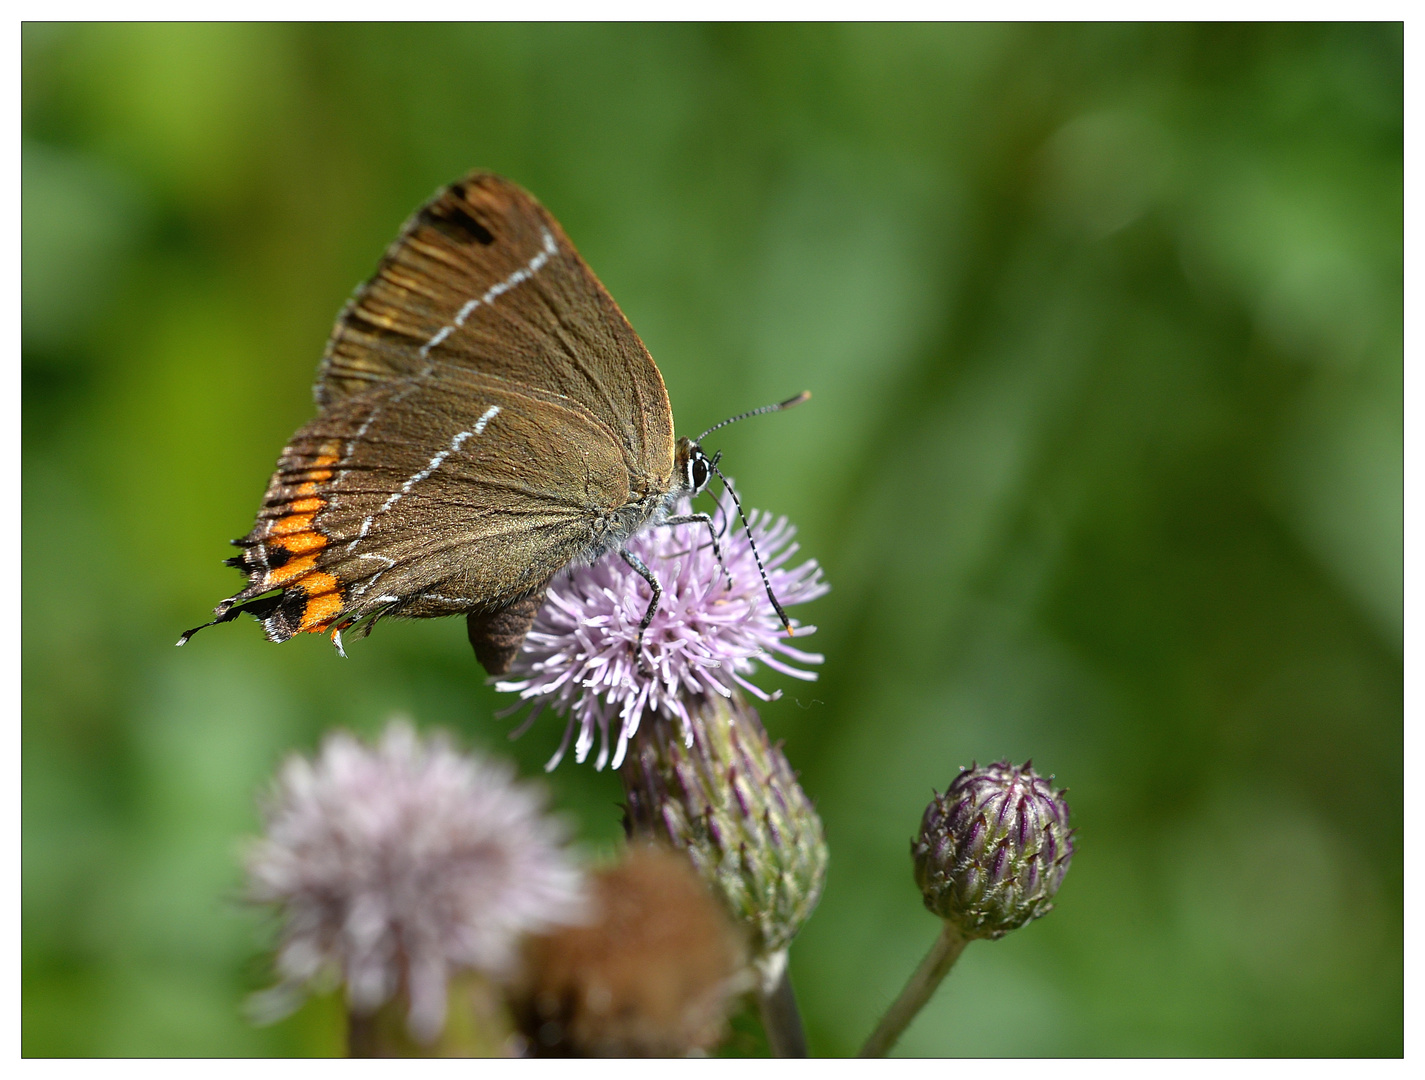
{"x": 487, "y": 417}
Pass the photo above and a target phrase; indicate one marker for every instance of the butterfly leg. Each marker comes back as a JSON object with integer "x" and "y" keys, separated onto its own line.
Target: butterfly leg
{"x": 647, "y": 575}
{"x": 690, "y": 519}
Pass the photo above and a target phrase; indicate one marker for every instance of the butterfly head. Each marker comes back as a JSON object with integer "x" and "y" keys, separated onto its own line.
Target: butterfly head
{"x": 693, "y": 467}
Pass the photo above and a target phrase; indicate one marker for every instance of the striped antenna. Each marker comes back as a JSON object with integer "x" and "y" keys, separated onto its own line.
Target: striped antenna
{"x": 755, "y": 412}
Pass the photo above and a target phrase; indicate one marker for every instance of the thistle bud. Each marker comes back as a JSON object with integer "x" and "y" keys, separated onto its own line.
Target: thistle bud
{"x": 723, "y": 793}
{"x": 993, "y": 850}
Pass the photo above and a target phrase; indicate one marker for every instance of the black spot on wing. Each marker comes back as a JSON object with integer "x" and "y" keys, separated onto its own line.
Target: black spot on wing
{"x": 250, "y": 561}
{"x": 457, "y": 224}
{"x": 281, "y": 616}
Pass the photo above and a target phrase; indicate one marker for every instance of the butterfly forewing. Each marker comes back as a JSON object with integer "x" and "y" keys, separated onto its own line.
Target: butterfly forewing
{"x": 483, "y": 277}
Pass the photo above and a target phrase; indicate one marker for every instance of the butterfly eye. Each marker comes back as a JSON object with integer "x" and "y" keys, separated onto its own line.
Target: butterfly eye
{"x": 698, "y": 472}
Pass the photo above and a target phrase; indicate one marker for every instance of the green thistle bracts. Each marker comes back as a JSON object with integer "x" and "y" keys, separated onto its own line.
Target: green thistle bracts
{"x": 993, "y": 850}
{"x": 733, "y": 803}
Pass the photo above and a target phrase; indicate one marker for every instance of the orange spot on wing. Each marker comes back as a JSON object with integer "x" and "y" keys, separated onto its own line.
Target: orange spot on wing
{"x": 324, "y": 601}
{"x": 291, "y": 523}
{"x": 300, "y": 542}
{"x": 305, "y": 506}
{"x": 321, "y": 473}
{"x": 291, "y": 571}
{"x": 318, "y": 583}
{"x": 317, "y": 473}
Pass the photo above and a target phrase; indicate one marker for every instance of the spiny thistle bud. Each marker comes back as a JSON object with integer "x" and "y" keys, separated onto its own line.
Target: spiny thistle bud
{"x": 724, "y": 794}
{"x": 993, "y": 850}
{"x": 653, "y": 974}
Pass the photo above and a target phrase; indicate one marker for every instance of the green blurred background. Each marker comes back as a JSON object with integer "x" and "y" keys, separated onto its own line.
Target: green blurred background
{"x": 1104, "y": 325}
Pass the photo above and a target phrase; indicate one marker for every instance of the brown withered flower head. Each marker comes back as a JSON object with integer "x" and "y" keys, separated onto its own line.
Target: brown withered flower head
{"x": 653, "y": 975}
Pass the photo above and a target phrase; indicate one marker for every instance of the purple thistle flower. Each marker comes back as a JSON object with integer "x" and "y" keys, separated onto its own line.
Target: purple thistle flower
{"x": 705, "y": 638}
{"x": 395, "y": 866}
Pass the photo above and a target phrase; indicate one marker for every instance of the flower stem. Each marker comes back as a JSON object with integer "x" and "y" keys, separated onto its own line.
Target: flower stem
{"x": 361, "y": 1039}
{"x": 476, "y": 1025}
{"x": 777, "y": 1003}
{"x": 918, "y": 990}
{"x": 379, "y": 1034}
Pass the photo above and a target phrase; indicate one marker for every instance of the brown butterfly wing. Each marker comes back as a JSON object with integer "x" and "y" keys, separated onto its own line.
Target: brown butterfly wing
{"x": 407, "y": 495}
{"x": 482, "y": 277}
{"x": 459, "y": 494}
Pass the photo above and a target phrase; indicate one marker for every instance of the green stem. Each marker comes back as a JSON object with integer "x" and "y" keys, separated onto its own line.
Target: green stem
{"x": 777, "y": 1003}
{"x": 476, "y": 1025}
{"x": 364, "y": 1037}
{"x": 918, "y": 990}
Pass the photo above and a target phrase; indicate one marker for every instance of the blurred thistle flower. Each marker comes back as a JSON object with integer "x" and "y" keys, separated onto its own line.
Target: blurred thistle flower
{"x": 395, "y": 867}
{"x": 730, "y": 799}
{"x": 993, "y": 850}
{"x": 653, "y": 974}
{"x": 705, "y": 638}
{"x": 991, "y": 853}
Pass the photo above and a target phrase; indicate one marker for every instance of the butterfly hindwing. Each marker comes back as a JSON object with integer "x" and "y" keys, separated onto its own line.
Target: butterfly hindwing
{"x": 426, "y": 499}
